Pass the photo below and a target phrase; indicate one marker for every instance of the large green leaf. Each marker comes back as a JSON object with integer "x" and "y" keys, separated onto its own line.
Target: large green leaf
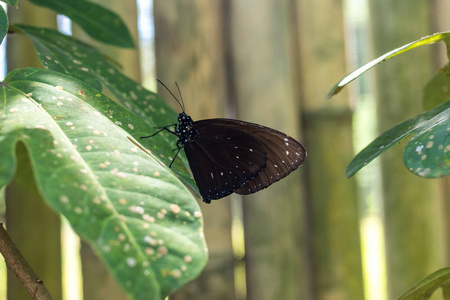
{"x": 89, "y": 166}
{"x": 427, "y": 154}
{"x": 67, "y": 55}
{"x": 97, "y": 21}
{"x": 423, "y": 289}
{"x": 431, "y": 39}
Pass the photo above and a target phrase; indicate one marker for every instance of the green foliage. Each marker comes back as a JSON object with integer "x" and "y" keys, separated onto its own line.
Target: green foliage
{"x": 89, "y": 162}
{"x": 88, "y": 166}
{"x": 426, "y": 155}
{"x": 67, "y": 55}
{"x": 10, "y": 2}
{"x": 423, "y": 289}
{"x": 437, "y": 89}
{"x": 3, "y": 24}
{"x": 98, "y": 22}
{"x": 431, "y": 39}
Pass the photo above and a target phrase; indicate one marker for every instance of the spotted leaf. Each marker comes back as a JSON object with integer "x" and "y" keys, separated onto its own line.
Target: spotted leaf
{"x": 427, "y": 154}
{"x": 89, "y": 166}
{"x": 64, "y": 54}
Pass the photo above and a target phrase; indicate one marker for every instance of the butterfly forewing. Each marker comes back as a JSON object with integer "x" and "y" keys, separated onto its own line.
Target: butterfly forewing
{"x": 222, "y": 158}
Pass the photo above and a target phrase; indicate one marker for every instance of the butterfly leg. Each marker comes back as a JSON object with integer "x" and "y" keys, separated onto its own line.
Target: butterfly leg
{"x": 166, "y": 128}
{"x": 176, "y": 154}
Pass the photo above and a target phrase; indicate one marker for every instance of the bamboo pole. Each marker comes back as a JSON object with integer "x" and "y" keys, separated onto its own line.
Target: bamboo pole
{"x": 412, "y": 205}
{"x": 332, "y": 198}
{"x": 189, "y": 50}
{"x": 262, "y": 60}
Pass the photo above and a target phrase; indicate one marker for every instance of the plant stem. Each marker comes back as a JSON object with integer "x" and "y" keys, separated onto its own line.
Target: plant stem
{"x": 21, "y": 269}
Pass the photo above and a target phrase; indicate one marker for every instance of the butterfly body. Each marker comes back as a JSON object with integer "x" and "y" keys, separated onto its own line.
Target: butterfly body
{"x": 228, "y": 156}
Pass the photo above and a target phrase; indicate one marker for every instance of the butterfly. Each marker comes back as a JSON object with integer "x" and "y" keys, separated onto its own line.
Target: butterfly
{"x": 231, "y": 156}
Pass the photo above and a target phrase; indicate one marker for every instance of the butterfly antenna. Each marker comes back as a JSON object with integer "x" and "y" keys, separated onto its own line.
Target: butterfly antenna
{"x": 179, "y": 103}
{"x": 181, "y": 97}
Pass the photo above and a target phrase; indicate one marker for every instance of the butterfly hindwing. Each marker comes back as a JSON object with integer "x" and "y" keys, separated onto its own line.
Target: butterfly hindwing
{"x": 285, "y": 155}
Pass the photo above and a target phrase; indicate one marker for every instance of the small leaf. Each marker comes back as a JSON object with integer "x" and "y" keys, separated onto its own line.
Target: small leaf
{"x": 89, "y": 166}
{"x": 67, "y": 55}
{"x": 3, "y": 24}
{"x": 427, "y": 154}
{"x": 423, "y": 289}
{"x": 419, "y": 125}
{"x": 437, "y": 89}
{"x": 97, "y": 21}
{"x": 431, "y": 39}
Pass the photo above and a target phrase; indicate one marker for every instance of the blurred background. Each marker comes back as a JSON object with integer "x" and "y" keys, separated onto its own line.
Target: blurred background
{"x": 315, "y": 234}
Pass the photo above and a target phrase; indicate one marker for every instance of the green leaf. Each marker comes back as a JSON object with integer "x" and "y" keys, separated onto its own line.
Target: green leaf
{"x": 97, "y": 21}
{"x": 89, "y": 166}
{"x": 437, "y": 89}
{"x": 67, "y": 55}
{"x": 431, "y": 39}
{"x": 428, "y": 153}
{"x": 423, "y": 289}
{"x": 10, "y": 2}
{"x": 3, "y": 24}
{"x": 434, "y": 123}
{"x": 52, "y": 56}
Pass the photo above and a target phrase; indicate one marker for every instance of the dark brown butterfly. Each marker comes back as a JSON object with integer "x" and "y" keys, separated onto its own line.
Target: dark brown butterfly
{"x": 230, "y": 156}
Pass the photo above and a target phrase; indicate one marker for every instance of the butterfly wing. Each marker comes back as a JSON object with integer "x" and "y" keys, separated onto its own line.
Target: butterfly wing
{"x": 222, "y": 158}
{"x": 284, "y": 154}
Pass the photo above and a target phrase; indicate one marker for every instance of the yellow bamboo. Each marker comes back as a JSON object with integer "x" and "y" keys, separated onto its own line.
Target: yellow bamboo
{"x": 189, "y": 50}
{"x": 412, "y": 205}
{"x": 331, "y": 197}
